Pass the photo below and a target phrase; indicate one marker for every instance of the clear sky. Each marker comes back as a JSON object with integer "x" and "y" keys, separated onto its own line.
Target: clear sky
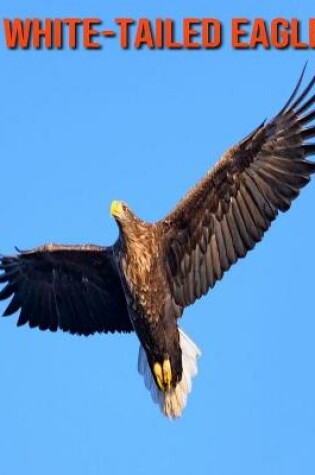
{"x": 80, "y": 128}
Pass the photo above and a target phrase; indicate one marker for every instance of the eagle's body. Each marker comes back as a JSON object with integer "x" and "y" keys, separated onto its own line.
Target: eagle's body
{"x": 148, "y": 295}
{"x": 145, "y": 280}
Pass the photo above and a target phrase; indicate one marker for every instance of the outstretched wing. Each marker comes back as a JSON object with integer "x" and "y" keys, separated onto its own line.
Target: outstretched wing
{"x": 229, "y": 210}
{"x": 74, "y": 288}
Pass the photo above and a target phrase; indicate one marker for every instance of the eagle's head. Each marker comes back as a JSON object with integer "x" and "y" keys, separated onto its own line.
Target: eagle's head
{"x": 121, "y": 212}
{"x": 132, "y": 229}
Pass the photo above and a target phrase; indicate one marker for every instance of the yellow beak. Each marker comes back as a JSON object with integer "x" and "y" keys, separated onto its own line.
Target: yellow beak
{"x": 116, "y": 209}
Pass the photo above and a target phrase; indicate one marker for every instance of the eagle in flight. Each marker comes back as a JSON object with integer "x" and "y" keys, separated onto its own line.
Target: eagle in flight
{"x": 145, "y": 280}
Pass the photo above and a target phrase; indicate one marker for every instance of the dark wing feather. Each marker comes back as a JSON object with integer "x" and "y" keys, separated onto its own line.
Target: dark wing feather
{"x": 74, "y": 288}
{"x": 229, "y": 210}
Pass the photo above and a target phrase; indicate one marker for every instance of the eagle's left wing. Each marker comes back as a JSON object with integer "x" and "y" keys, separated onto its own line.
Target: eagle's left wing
{"x": 229, "y": 210}
{"x": 74, "y": 288}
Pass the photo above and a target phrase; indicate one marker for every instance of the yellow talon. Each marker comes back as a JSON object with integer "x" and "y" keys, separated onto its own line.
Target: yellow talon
{"x": 157, "y": 369}
{"x": 163, "y": 375}
{"x": 167, "y": 373}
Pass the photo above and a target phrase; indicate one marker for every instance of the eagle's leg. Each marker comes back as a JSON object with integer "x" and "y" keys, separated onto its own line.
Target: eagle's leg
{"x": 167, "y": 372}
{"x": 163, "y": 375}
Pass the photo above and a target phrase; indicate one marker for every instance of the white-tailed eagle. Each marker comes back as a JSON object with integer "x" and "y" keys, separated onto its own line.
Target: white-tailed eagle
{"x": 145, "y": 280}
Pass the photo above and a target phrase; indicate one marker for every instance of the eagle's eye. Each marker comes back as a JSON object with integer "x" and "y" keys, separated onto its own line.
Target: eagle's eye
{"x": 124, "y": 207}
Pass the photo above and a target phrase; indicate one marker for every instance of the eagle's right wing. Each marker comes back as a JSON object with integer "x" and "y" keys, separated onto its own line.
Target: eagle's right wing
{"x": 229, "y": 210}
{"x": 74, "y": 288}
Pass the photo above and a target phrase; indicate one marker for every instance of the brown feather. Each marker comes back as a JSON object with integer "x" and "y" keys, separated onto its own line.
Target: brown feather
{"x": 229, "y": 210}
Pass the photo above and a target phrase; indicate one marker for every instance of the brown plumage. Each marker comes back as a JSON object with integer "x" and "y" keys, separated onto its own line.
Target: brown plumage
{"x": 146, "y": 279}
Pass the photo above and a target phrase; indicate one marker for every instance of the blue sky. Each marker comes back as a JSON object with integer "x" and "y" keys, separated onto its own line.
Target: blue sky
{"x": 80, "y": 128}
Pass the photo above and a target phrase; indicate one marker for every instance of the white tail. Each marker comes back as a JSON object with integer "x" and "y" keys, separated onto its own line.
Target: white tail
{"x": 172, "y": 402}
